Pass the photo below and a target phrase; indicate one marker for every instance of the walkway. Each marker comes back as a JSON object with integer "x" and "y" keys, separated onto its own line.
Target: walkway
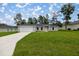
{"x": 8, "y": 43}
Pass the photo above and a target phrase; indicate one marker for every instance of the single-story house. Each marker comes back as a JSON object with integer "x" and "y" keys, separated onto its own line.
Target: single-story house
{"x": 33, "y": 28}
{"x": 46, "y": 27}
{"x": 7, "y": 28}
{"x": 37, "y": 27}
{"x": 74, "y": 25}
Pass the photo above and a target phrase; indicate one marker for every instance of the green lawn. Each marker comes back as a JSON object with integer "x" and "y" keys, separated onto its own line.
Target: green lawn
{"x": 6, "y": 33}
{"x": 59, "y": 43}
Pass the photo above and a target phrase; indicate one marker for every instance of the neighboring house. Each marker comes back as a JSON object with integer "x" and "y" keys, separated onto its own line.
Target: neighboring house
{"x": 71, "y": 26}
{"x": 7, "y": 28}
{"x": 74, "y": 25}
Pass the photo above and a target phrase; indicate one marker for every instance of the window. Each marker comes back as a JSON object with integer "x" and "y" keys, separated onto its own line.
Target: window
{"x": 37, "y": 28}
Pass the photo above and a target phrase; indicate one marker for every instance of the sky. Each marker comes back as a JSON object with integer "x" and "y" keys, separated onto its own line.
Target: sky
{"x": 9, "y": 10}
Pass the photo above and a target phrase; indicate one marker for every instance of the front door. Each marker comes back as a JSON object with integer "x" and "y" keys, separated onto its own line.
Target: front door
{"x": 52, "y": 28}
{"x": 37, "y": 28}
{"x": 41, "y": 28}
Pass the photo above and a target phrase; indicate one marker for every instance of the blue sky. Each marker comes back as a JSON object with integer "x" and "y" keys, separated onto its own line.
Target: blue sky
{"x": 9, "y": 10}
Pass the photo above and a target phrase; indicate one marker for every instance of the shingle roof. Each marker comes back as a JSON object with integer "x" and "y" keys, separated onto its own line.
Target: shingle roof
{"x": 7, "y": 26}
{"x": 75, "y": 22}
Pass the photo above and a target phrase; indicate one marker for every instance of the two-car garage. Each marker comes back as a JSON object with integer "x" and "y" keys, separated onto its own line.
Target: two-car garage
{"x": 26, "y": 28}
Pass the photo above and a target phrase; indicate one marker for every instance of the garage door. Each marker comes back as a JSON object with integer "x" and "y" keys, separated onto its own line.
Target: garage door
{"x": 26, "y": 28}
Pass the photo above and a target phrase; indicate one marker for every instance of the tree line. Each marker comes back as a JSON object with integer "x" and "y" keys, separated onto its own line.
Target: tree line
{"x": 34, "y": 20}
{"x": 66, "y": 10}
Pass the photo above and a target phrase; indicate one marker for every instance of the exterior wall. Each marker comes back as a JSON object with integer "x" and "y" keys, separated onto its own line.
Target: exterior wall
{"x": 45, "y": 29}
{"x": 33, "y": 28}
{"x": 26, "y": 28}
{"x": 56, "y": 28}
{"x": 8, "y": 29}
{"x": 53, "y": 28}
{"x": 3, "y": 30}
{"x": 74, "y": 26}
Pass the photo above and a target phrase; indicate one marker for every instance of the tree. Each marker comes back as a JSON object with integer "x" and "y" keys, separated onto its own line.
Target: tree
{"x": 34, "y": 20}
{"x": 78, "y": 16}
{"x": 40, "y": 19}
{"x": 54, "y": 20}
{"x": 67, "y": 10}
{"x": 18, "y": 18}
{"x": 30, "y": 21}
{"x": 23, "y": 22}
{"x": 47, "y": 16}
{"x": 45, "y": 20}
{"x": 58, "y": 23}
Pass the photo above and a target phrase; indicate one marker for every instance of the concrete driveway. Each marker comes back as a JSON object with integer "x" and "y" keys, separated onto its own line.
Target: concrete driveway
{"x": 8, "y": 43}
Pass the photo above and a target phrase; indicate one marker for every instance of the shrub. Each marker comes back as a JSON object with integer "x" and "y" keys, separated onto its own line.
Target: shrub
{"x": 69, "y": 28}
{"x": 77, "y": 28}
{"x": 61, "y": 30}
{"x": 74, "y": 29}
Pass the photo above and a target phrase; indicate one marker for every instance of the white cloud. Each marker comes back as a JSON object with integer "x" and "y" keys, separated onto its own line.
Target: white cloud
{"x": 33, "y": 11}
{"x": 55, "y": 4}
{"x": 12, "y": 11}
{"x": 37, "y": 8}
{"x": 8, "y": 17}
{"x": 61, "y": 4}
{"x": 21, "y": 5}
{"x": 50, "y": 16}
{"x": 42, "y": 11}
{"x": 58, "y": 6}
{"x": 26, "y": 19}
{"x": 51, "y": 7}
{"x": 52, "y": 10}
{"x": 34, "y": 14}
{"x": 27, "y": 14}
{"x": 44, "y": 6}
{"x": 78, "y": 9}
{"x": 2, "y": 21}
{"x": 4, "y": 4}
{"x": 2, "y": 9}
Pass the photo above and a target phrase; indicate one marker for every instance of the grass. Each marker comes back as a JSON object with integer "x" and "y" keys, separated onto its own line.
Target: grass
{"x": 6, "y": 33}
{"x": 59, "y": 43}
